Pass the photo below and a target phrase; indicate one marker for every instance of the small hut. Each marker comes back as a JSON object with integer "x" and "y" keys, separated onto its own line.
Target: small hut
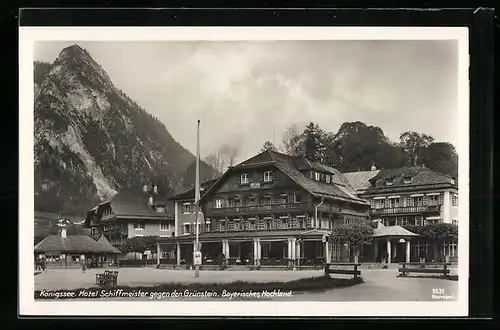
{"x": 66, "y": 251}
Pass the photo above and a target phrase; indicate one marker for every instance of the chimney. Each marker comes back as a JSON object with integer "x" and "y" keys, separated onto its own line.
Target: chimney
{"x": 145, "y": 188}
{"x": 150, "y": 200}
{"x": 63, "y": 232}
{"x": 155, "y": 189}
{"x": 373, "y": 167}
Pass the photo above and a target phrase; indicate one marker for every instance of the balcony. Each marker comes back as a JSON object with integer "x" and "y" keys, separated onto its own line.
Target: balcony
{"x": 260, "y": 208}
{"x": 406, "y": 210}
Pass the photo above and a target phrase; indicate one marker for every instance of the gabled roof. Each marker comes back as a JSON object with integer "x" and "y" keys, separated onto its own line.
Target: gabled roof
{"x": 420, "y": 176}
{"x": 105, "y": 245}
{"x": 392, "y": 231}
{"x": 127, "y": 204}
{"x": 294, "y": 168}
{"x": 360, "y": 180}
{"x": 189, "y": 194}
{"x": 73, "y": 244}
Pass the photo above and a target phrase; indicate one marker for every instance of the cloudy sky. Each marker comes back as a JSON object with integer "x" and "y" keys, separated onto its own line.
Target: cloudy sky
{"x": 244, "y": 91}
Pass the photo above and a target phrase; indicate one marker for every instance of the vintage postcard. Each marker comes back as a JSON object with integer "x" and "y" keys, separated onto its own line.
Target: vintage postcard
{"x": 244, "y": 171}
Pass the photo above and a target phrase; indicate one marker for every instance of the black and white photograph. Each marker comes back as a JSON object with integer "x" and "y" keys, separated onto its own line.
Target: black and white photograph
{"x": 184, "y": 168}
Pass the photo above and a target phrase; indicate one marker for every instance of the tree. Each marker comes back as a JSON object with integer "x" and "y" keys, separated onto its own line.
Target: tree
{"x": 314, "y": 142}
{"x": 441, "y": 157}
{"x": 139, "y": 244}
{"x": 292, "y": 141}
{"x": 357, "y": 146}
{"x": 223, "y": 157}
{"x": 413, "y": 143}
{"x": 268, "y": 145}
{"x": 355, "y": 234}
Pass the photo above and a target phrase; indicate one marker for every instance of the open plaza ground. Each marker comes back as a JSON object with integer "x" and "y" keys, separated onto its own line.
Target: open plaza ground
{"x": 379, "y": 284}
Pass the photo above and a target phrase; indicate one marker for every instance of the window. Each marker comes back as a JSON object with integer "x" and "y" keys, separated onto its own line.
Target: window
{"x": 140, "y": 226}
{"x": 207, "y": 227}
{"x": 419, "y": 220}
{"x": 268, "y": 176}
{"x": 405, "y": 221}
{"x": 419, "y": 201}
{"x": 328, "y": 178}
{"x": 454, "y": 200}
{"x": 297, "y": 198}
{"x": 399, "y": 221}
{"x": 186, "y": 228}
{"x": 393, "y": 202}
{"x": 385, "y": 222}
{"x": 454, "y": 222}
{"x": 164, "y": 225}
{"x": 244, "y": 178}
{"x": 218, "y": 203}
{"x": 379, "y": 203}
{"x": 186, "y": 208}
{"x": 450, "y": 248}
{"x": 433, "y": 200}
{"x": 388, "y": 182}
{"x": 407, "y": 180}
{"x": 283, "y": 199}
{"x": 160, "y": 209}
{"x": 317, "y": 176}
{"x": 266, "y": 247}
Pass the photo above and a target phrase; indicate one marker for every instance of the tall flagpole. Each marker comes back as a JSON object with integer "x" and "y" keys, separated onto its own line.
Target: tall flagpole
{"x": 197, "y": 198}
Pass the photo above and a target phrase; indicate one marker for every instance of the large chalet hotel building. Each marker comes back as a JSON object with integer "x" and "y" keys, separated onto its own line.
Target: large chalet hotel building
{"x": 274, "y": 209}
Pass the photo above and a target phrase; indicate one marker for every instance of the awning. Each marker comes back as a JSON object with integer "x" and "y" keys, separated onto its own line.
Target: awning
{"x": 416, "y": 195}
{"x": 380, "y": 197}
{"x": 433, "y": 194}
{"x": 395, "y": 196}
{"x": 433, "y": 218}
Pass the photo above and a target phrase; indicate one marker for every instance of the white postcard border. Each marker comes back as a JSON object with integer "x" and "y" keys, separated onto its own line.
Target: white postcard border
{"x": 27, "y": 304}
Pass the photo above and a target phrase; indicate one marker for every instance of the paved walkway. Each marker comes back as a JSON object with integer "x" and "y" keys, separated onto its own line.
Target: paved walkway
{"x": 379, "y": 285}
{"x": 384, "y": 285}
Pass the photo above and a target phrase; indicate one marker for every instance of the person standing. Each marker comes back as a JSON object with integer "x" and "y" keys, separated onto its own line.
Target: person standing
{"x": 82, "y": 263}
{"x": 42, "y": 263}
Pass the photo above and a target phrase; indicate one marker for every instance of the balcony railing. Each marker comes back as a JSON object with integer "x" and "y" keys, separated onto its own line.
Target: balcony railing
{"x": 405, "y": 210}
{"x": 263, "y": 208}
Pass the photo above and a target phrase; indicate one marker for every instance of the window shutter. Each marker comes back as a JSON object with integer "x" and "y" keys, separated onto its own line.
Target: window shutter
{"x": 273, "y": 176}
{"x": 238, "y": 179}
{"x": 441, "y": 198}
{"x": 425, "y": 200}
{"x": 261, "y": 175}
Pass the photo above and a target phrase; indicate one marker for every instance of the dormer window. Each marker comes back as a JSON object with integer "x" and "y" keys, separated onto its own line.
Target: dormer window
{"x": 407, "y": 180}
{"x": 160, "y": 209}
{"x": 317, "y": 176}
{"x": 244, "y": 178}
{"x": 268, "y": 176}
{"x": 388, "y": 182}
{"x": 328, "y": 178}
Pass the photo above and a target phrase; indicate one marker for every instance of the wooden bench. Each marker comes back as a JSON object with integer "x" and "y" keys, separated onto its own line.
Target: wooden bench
{"x": 354, "y": 271}
{"x": 422, "y": 268}
{"x": 108, "y": 278}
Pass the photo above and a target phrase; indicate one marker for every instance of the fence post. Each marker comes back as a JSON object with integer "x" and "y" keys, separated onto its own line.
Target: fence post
{"x": 355, "y": 271}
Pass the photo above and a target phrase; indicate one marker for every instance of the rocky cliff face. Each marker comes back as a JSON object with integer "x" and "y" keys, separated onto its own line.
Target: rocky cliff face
{"x": 92, "y": 140}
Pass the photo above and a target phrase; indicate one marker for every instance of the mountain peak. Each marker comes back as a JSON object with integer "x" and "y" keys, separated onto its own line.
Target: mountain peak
{"x": 73, "y": 51}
